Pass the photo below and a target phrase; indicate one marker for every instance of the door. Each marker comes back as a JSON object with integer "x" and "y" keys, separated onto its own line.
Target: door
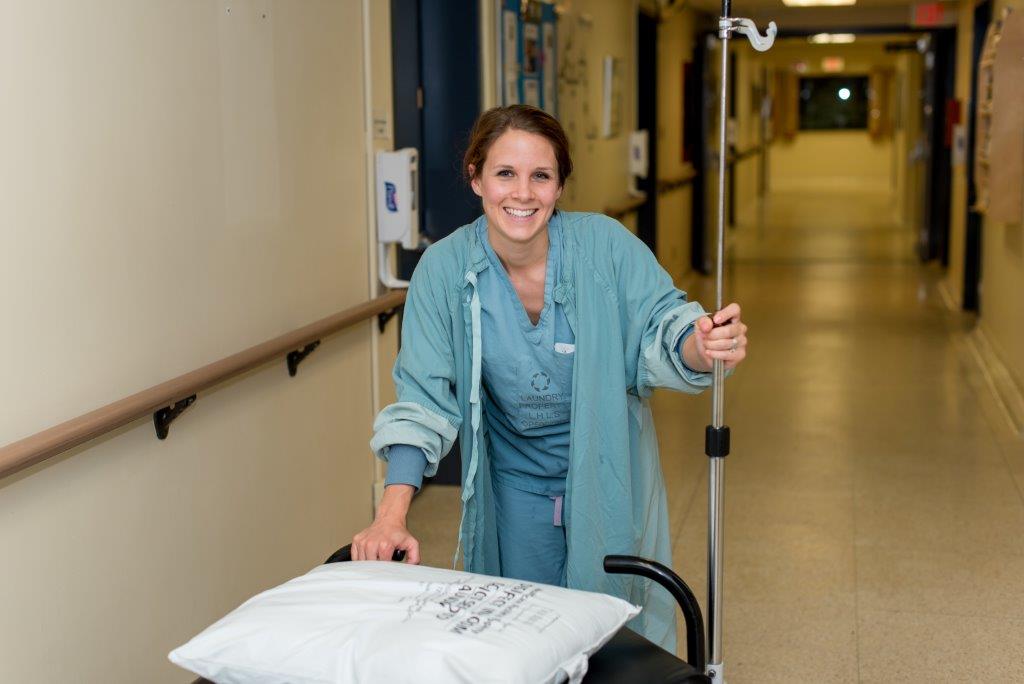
{"x": 435, "y": 51}
{"x": 939, "y": 71}
{"x": 942, "y": 144}
{"x": 647, "y": 119}
{"x": 972, "y": 244}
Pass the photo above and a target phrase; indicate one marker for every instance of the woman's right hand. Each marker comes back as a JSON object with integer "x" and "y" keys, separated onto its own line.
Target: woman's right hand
{"x": 388, "y": 533}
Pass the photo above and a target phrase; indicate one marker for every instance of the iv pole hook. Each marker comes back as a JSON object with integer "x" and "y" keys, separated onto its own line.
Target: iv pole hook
{"x": 748, "y": 28}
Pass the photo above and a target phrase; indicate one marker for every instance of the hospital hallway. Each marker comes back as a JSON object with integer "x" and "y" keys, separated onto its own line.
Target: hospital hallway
{"x": 874, "y": 510}
{"x": 233, "y": 288}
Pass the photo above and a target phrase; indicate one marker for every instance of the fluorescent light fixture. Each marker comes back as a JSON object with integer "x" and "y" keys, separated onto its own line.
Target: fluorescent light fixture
{"x": 830, "y": 38}
{"x": 817, "y": 3}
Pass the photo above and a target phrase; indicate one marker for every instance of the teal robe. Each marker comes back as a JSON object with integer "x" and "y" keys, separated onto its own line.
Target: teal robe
{"x": 627, "y": 317}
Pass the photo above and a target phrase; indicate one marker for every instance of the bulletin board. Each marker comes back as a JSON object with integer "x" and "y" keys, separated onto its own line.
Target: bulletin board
{"x": 999, "y": 148}
{"x": 529, "y": 54}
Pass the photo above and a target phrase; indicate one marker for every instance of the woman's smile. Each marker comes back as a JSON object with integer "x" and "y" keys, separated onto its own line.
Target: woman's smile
{"x": 520, "y": 214}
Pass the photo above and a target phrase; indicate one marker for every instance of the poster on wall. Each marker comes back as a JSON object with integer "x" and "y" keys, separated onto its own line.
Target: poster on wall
{"x": 529, "y": 64}
{"x": 510, "y": 53}
{"x": 550, "y": 59}
{"x": 530, "y": 73}
{"x": 611, "y": 104}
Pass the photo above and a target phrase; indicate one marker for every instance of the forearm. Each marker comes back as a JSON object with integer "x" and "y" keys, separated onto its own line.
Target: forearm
{"x": 394, "y": 505}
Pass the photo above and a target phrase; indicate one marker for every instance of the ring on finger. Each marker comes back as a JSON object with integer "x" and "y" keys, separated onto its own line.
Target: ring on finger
{"x": 734, "y": 343}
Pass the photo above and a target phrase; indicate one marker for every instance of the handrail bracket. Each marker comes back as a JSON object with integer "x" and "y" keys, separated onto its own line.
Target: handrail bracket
{"x": 294, "y": 358}
{"x": 163, "y": 418}
{"x": 383, "y": 318}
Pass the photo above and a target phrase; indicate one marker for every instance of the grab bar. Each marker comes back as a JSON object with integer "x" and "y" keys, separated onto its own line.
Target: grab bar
{"x": 171, "y": 397}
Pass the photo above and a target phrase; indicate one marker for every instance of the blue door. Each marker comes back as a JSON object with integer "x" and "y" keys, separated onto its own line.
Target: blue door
{"x": 435, "y": 50}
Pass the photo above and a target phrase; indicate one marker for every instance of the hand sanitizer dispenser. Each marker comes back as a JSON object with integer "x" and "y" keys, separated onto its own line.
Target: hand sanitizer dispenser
{"x": 638, "y": 153}
{"x": 638, "y": 163}
{"x": 397, "y": 209}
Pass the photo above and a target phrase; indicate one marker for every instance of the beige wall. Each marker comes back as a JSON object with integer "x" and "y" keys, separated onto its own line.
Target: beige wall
{"x": 181, "y": 183}
{"x": 1002, "y": 269}
{"x": 831, "y": 160}
{"x": 377, "y": 80}
{"x": 911, "y": 169}
{"x": 901, "y": 137}
{"x": 598, "y": 28}
{"x": 749, "y": 75}
{"x": 954, "y": 280}
{"x": 675, "y": 47}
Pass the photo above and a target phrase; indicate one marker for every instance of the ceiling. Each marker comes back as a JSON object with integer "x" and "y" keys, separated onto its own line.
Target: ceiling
{"x": 865, "y": 15}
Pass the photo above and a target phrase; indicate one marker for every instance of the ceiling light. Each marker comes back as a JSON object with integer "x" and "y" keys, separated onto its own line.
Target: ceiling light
{"x": 828, "y": 38}
{"x": 844, "y": 94}
{"x": 817, "y": 3}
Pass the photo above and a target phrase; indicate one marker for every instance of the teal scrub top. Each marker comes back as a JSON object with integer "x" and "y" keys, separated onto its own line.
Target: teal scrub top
{"x": 628, "y": 319}
{"x": 527, "y": 375}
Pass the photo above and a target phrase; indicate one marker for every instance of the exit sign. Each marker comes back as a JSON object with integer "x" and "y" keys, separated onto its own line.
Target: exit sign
{"x": 833, "y": 65}
{"x": 930, "y": 14}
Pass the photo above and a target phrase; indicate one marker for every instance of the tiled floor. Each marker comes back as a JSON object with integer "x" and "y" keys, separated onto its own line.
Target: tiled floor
{"x": 874, "y": 508}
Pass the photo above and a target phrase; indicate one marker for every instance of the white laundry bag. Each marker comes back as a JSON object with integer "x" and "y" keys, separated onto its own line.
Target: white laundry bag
{"x": 376, "y": 621}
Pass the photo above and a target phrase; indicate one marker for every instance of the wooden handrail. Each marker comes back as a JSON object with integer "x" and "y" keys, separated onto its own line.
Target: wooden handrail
{"x": 619, "y": 211}
{"x": 736, "y": 157}
{"x": 42, "y": 445}
{"x": 668, "y": 185}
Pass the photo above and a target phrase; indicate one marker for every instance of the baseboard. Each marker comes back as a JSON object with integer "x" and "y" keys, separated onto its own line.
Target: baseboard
{"x": 947, "y": 297}
{"x": 1005, "y": 389}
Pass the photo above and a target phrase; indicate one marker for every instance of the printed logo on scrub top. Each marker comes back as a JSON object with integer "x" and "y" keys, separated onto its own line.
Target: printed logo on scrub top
{"x": 542, "y": 407}
{"x": 540, "y": 381}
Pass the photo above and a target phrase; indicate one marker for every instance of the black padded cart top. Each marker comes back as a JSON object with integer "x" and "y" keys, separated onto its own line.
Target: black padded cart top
{"x": 626, "y": 658}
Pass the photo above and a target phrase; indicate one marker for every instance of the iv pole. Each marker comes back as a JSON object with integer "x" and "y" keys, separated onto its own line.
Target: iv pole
{"x": 716, "y": 437}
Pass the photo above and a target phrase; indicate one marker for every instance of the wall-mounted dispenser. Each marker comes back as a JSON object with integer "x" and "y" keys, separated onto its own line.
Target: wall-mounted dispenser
{"x": 638, "y": 161}
{"x": 397, "y": 207}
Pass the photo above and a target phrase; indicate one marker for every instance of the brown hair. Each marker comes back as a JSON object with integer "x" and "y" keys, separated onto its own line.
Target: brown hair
{"x": 493, "y": 123}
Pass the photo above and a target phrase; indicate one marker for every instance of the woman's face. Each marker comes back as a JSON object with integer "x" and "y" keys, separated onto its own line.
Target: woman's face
{"x": 518, "y": 185}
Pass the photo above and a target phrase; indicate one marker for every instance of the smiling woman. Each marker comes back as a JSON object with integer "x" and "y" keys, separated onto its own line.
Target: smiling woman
{"x": 517, "y": 162}
{"x": 518, "y": 186}
{"x": 535, "y": 336}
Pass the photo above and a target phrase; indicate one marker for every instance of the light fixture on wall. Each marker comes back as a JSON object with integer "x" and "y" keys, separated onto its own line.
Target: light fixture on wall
{"x": 818, "y": 3}
{"x": 832, "y": 38}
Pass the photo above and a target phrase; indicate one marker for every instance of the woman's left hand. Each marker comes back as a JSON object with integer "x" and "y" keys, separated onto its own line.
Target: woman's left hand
{"x": 721, "y": 335}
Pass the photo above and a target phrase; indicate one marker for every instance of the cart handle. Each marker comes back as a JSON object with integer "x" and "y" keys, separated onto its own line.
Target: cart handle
{"x": 344, "y": 555}
{"x": 634, "y": 565}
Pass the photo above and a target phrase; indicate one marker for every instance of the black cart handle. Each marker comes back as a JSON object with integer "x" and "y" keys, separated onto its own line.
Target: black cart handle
{"x": 344, "y": 554}
{"x": 634, "y": 565}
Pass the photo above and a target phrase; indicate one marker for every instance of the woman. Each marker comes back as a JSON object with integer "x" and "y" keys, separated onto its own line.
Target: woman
{"x": 536, "y": 336}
